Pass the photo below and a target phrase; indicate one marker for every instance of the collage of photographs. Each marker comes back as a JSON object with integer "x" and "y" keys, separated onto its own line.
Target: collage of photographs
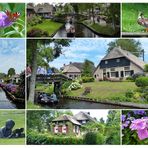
{"x": 73, "y": 73}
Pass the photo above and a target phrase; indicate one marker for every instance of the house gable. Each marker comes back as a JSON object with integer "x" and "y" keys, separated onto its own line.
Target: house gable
{"x": 115, "y": 62}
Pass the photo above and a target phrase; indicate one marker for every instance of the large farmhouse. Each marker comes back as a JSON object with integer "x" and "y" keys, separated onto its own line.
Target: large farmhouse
{"x": 118, "y": 64}
{"x": 71, "y": 124}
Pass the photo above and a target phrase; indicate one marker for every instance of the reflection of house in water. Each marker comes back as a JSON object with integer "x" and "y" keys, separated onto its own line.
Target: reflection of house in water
{"x": 118, "y": 64}
{"x": 45, "y": 10}
{"x": 71, "y": 124}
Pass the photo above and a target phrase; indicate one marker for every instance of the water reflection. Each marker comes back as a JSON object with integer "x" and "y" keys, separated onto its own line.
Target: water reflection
{"x": 75, "y": 104}
{"x": 80, "y": 31}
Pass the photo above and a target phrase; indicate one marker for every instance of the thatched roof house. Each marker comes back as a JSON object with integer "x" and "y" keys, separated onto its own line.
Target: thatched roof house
{"x": 71, "y": 124}
{"x": 119, "y": 63}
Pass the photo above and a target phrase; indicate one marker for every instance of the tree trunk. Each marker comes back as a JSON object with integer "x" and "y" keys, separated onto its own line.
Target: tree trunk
{"x": 33, "y": 75}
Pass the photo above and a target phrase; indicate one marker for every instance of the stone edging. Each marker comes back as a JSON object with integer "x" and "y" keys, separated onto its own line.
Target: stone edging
{"x": 124, "y": 104}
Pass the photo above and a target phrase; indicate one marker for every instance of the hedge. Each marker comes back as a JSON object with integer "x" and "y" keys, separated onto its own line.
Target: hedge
{"x": 34, "y": 138}
{"x": 142, "y": 81}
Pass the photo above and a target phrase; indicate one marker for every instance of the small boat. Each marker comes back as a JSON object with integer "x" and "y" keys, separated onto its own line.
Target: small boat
{"x": 44, "y": 98}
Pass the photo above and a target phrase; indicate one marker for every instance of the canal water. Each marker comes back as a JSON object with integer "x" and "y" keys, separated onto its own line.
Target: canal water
{"x": 75, "y": 104}
{"x": 80, "y": 31}
{"x": 5, "y": 103}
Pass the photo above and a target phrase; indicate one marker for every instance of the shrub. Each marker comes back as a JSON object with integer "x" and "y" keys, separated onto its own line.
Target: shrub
{"x": 44, "y": 139}
{"x": 146, "y": 67}
{"x": 137, "y": 75}
{"x": 129, "y": 94}
{"x": 37, "y": 33}
{"x": 87, "y": 79}
{"x": 130, "y": 79}
{"x": 74, "y": 86}
{"x": 90, "y": 138}
{"x": 100, "y": 138}
{"x": 142, "y": 81}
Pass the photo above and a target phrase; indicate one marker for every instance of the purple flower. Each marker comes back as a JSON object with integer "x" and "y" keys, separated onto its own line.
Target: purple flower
{"x": 123, "y": 118}
{"x": 4, "y": 20}
{"x": 141, "y": 126}
{"x": 139, "y": 112}
{"x": 125, "y": 124}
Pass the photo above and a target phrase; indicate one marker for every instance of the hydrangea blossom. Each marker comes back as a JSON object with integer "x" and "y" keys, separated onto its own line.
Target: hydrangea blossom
{"x": 4, "y": 20}
{"x": 141, "y": 126}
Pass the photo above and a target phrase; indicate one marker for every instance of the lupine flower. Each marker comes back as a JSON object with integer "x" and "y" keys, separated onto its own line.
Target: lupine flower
{"x": 141, "y": 126}
{"x": 7, "y": 18}
{"x": 123, "y": 118}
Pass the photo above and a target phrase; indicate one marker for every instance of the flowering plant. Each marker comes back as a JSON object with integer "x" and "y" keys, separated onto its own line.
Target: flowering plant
{"x": 135, "y": 127}
{"x": 12, "y": 20}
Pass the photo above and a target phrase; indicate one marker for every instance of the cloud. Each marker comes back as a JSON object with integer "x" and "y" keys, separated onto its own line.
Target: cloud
{"x": 12, "y": 55}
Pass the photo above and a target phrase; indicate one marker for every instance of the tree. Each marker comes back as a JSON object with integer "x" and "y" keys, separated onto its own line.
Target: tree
{"x": 127, "y": 44}
{"x": 11, "y": 72}
{"x": 42, "y": 51}
{"x": 88, "y": 68}
{"x": 102, "y": 120}
{"x": 146, "y": 67}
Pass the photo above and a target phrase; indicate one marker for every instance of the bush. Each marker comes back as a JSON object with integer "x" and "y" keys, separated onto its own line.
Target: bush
{"x": 90, "y": 138}
{"x": 137, "y": 75}
{"x": 130, "y": 79}
{"x": 44, "y": 139}
{"x": 146, "y": 67}
{"x": 37, "y": 33}
{"x": 129, "y": 94}
{"x": 142, "y": 81}
{"x": 87, "y": 79}
{"x": 74, "y": 86}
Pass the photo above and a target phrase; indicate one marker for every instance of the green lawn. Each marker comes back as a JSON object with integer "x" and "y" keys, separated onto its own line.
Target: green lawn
{"x": 105, "y": 90}
{"x": 130, "y": 15}
{"x": 47, "y": 25}
{"x": 19, "y": 117}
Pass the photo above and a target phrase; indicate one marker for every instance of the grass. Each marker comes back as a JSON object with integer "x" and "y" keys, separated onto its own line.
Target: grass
{"x": 106, "y": 30}
{"x": 19, "y": 117}
{"x": 130, "y": 15}
{"x": 44, "y": 88}
{"x": 47, "y": 25}
{"x": 30, "y": 105}
{"x": 105, "y": 90}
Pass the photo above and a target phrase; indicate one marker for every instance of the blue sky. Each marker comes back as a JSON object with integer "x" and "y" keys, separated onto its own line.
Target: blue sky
{"x": 12, "y": 54}
{"x": 92, "y": 49}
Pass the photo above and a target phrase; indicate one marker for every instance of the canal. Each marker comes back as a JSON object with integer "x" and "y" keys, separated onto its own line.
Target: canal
{"x": 80, "y": 31}
{"x": 6, "y": 103}
{"x": 75, "y": 104}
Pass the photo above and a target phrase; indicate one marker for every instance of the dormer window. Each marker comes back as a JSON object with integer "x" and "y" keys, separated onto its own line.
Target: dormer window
{"x": 117, "y": 60}
{"x": 106, "y": 62}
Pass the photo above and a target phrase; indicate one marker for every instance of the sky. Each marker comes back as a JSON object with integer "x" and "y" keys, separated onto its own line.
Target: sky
{"x": 92, "y": 49}
{"x": 12, "y": 55}
{"x": 97, "y": 113}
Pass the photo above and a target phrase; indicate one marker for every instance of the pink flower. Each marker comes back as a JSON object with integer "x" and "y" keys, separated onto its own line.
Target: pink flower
{"x": 141, "y": 126}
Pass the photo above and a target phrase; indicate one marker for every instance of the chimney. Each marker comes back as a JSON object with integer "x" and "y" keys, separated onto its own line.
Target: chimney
{"x": 64, "y": 65}
{"x": 88, "y": 113}
{"x": 70, "y": 62}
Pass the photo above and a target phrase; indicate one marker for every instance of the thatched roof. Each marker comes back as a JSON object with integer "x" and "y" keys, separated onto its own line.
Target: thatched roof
{"x": 71, "y": 68}
{"x": 84, "y": 116}
{"x": 43, "y": 8}
{"x": 67, "y": 118}
{"x": 74, "y": 67}
{"x": 30, "y": 6}
{"x": 117, "y": 52}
